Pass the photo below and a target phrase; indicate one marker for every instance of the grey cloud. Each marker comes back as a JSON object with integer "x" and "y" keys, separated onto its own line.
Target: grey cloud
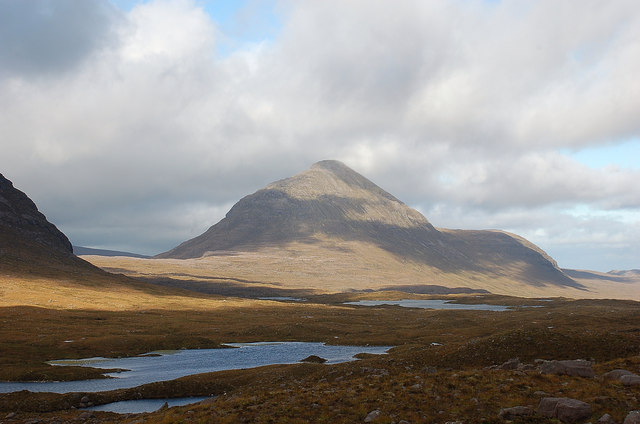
{"x": 461, "y": 106}
{"x": 50, "y": 36}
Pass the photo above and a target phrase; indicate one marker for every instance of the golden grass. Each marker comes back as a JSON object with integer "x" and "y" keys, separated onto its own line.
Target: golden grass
{"x": 330, "y": 267}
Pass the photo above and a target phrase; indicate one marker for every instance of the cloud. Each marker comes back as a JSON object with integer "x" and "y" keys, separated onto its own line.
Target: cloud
{"x": 139, "y": 121}
{"x": 44, "y": 36}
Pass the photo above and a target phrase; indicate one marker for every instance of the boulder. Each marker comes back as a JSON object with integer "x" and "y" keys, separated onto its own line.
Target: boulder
{"x": 630, "y": 380}
{"x": 314, "y": 359}
{"x": 566, "y": 410}
{"x": 372, "y": 416}
{"x": 516, "y": 411}
{"x": 578, "y": 367}
{"x": 606, "y": 419}
{"x": 616, "y": 374}
{"x": 633, "y": 417}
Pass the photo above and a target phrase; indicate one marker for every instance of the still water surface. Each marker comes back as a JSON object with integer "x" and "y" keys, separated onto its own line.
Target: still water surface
{"x": 175, "y": 364}
{"x": 431, "y": 304}
{"x": 143, "y": 405}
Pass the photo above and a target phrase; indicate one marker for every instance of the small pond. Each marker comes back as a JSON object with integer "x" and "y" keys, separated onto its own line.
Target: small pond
{"x": 431, "y": 304}
{"x": 143, "y": 405}
{"x": 163, "y": 365}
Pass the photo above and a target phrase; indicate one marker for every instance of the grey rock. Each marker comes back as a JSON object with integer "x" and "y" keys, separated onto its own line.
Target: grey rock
{"x": 633, "y": 417}
{"x": 606, "y": 419}
{"x": 616, "y": 374}
{"x": 85, "y": 399}
{"x": 516, "y": 411}
{"x": 578, "y": 367}
{"x": 630, "y": 380}
{"x": 314, "y": 359}
{"x": 372, "y": 416}
{"x": 511, "y": 364}
{"x": 10, "y": 415}
{"x": 566, "y": 410}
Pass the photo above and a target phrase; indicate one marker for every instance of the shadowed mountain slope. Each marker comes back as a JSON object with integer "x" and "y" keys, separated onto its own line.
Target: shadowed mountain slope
{"x": 29, "y": 244}
{"x": 330, "y": 201}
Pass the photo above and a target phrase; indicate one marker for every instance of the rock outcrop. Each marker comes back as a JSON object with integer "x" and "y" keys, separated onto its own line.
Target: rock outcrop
{"x": 566, "y": 410}
{"x": 578, "y": 368}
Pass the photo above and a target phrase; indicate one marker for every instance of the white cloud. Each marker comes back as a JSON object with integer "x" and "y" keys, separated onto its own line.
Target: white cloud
{"x": 169, "y": 30}
{"x": 450, "y": 106}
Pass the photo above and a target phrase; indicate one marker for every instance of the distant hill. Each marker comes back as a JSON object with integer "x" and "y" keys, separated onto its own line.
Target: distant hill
{"x": 80, "y": 250}
{"x": 332, "y": 207}
{"x": 626, "y": 273}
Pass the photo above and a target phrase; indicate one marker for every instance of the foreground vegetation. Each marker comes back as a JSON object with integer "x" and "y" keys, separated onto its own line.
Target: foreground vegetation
{"x": 437, "y": 373}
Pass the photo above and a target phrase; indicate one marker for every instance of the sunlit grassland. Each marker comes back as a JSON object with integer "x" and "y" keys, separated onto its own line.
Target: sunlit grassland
{"x": 329, "y": 267}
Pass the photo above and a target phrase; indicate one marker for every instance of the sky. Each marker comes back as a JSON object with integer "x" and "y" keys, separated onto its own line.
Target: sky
{"x": 136, "y": 125}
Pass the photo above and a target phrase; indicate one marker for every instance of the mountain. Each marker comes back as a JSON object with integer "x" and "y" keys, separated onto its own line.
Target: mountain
{"x": 332, "y": 207}
{"x": 29, "y": 243}
{"x": 80, "y": 251}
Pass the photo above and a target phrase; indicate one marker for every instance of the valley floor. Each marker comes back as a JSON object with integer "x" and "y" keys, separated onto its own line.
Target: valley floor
{"x": 437, "y": 373}
{"x": 441, "y": 370}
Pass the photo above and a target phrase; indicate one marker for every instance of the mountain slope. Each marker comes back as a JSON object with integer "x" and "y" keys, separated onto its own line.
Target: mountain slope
{"x": 31, "y": 246}
{"x": 28, "y": 242}
{"x": 332, "y": 204}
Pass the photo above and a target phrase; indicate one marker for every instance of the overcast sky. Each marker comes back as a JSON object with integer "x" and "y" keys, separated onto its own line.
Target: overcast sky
{"x": 137, "y": 125}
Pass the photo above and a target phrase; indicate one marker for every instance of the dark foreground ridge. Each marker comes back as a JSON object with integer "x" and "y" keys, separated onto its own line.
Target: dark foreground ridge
{"x": 330, "y": 200}
{"x": 29, "y": 243}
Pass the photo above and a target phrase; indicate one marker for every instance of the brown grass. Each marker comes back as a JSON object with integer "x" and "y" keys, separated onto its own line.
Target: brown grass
{"x": 417, "y": 381}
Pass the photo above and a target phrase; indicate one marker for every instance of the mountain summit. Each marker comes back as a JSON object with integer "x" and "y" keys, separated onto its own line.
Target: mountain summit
{"x": 328, "y": 199}
{"x": 332, "y": 205}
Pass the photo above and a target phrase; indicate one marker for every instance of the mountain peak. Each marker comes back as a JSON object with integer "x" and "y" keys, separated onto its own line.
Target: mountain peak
{"x": 327, "y": 199}
{"x": 331, "y": 178}
{"x": 334, "y": 166}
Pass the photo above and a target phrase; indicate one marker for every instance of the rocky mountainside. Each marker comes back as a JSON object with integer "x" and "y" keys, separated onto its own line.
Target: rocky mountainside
{"x": 28, "y": 242}
{"x": 330, "y": 201}
{"x": 20, "y": 215}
